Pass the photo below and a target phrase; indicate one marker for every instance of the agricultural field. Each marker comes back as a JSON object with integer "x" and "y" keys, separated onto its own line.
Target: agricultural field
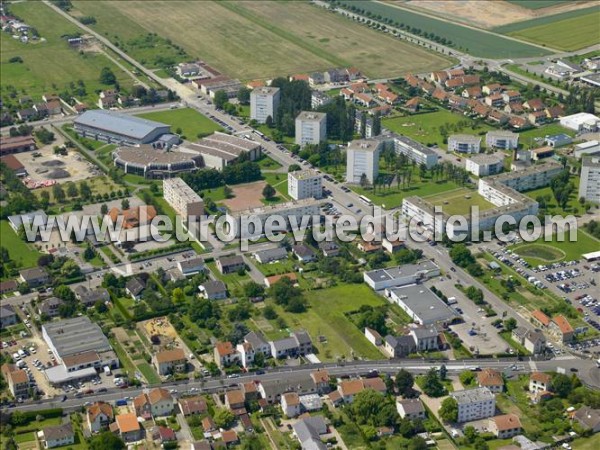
{"x": 49, "y": 65}
{"x": 459, "y": 201}
{"x": 561, "y": 35}
{"x": 474, "y": 41}
{"x": 542, "y": 252}
{"x": 19, "y": 251}
{"x": 262, "y": 40}
{"x": 537, "y": 4}
{"x": 193, "y": 124}
{"x": 425, "y": 128}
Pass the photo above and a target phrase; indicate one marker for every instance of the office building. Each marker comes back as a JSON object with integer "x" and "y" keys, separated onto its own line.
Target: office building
{"x": 464, "y": 143}
{"x": 474, "y": 404}
{"x": 362, "y": 158}
{"x": 182, "y": 198}
{"x": 264, "y": 102}
{"x": 311, "y": 128}
{"x": 305, "y": 184}
{"x": 589, "y": 183}
{"x": 505, "y": 140}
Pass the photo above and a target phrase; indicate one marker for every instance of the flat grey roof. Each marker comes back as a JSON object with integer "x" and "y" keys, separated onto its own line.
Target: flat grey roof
{"x": 424, "y": 303}
{"x": 145, "y": 155}
{"x": 472, "y": 395}
{"x": 407, "y": 270}
{"x": 411, "y": 143}
{"x": 465, "y": 138}
{"x": 311, "y": 115}
{"x": 76, "y": 335}
{"x": 119, "y": 123}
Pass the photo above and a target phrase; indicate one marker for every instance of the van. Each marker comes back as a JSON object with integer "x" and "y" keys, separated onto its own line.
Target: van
{"x": 22, "y": 354}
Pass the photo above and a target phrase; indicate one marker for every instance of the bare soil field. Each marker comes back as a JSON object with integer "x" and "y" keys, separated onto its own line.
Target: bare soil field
{"x": 246, "y": 196}
{"x": 490, "y": 13}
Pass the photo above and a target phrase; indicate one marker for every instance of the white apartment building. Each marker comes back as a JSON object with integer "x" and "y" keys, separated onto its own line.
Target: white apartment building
{"x": 297, "y": 209}
{"x": 589, "y": 184}
{"x": 264, "y": 102}
{"x": 305, "y": 184}
{"x": 415, "y": 151}
{"x": 505, "y": 140}
{"x": 484, "y": 165}
{"x": 464, "y": 143}
{"x": 182, "y": 198}
{"x": 311, "y": 128}
{"x": 362, "y": 157}
{"x": 474, "y": 404}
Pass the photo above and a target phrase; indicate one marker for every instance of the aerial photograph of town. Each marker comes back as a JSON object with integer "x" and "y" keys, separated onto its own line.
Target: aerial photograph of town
{"x": 300, "y": 225}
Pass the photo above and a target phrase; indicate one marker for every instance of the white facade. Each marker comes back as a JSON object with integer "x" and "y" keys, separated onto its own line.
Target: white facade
{"x": 415, "y": 151}
{"x": 589, "y": 184}
{"x": 182, "y": 198}
{"x": 590, "y": 148}
{"x": 474, "y": 404}
{"x": 464, "y": 143}
{"x": 484, "y": 165}
{"x": 584, "y": 122}
{"x": 264, "y": 102}
{"x": 362, "y": 157}
{"x": 505, "y": 140}
{"x": 305, "y": 184}
{"x": 311, "y": 128}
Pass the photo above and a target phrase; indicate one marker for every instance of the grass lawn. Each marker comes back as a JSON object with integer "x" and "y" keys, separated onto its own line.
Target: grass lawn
{"x": 20, "y": 251}
{"x": 126, "y": 363}
{"x": 325, "y": 317}
{"x": 276, "y": 268}
{"x": 280, "y": 182}
{"x": 215, "y": 194}
{"x": 528, "y": 138}
{"x": 50, "y": 65}
{"x": 567, "y": 250}
{"x": 261, "y": 39}
{"x": 267, "y": 163}
{"x": 590, "y": 443}
{"x": 24, "y": 437}
{"x": 425, "y": 128}
{"x": 231, "y": 279}
{"x": 573, "y": 206}
{"x": 459, "y": 201}
{"x": 149, "y": 373}
{"x": 99, "y": 185}
{"x": 192, "y": 123}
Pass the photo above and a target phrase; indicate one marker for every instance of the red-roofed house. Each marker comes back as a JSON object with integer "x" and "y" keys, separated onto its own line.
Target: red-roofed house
{"x": 413, "y": 104}
{"x": 540, "y": 319}
{"x": 226, "y": 354}
{"x": 561, "y": 328}
{"x": 539, "y": 382}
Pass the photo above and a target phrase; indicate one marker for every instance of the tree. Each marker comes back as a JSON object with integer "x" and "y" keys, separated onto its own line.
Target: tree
{"x": 269, "y": 312}
{"x": 253, "y": 290}
{"x": 404, "y": 382}
{"x": 417, "y": 443}
{"x": 510, "y": 324}
{"x": 89, "y": 253}
{"x": 220, "y": 99}
{"x": 227, "y": 191}
{"x": 443, "y": 372}
{"x": 223, "y": 418}
{"x": 269, "y": 192}
{"x": 106, "y": 441}
{"x": 466, "y": 378}
{"x": 124, "y": 204}
{"x": 364, "y": 181}
{"x": 58, "y": 193}
{"x": 244, "y": 96}
{"x": 72, "y": 190}
{"x": 561, "y": 384}
{"x": 107, "y": 76}
{"x": 449, "y": 410}
{"x": 294, "y": 167}
{"x": 432, "y": 384}
{"x": 104, "y": 209}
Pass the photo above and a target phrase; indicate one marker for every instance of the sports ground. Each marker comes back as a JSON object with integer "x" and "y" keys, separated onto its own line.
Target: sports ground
{"x": 459, "y": 201}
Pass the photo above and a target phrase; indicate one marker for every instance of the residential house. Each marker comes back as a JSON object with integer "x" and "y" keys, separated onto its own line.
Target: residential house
{"x": 316, "y": 78}
{"x": 230, "y": 438}
{"x": 472, "y": 92}
{"x": 329, "y": 248}
{"x": 6, "y": 287}
{"x": 410, "y": 408}
{"x": 308, "y": 431}
{"x": 99, "y": 416}
{"x": 533, "y": 340}
{"x": 493, "y": 88}
{"x": 369, "y": 245}
{"x": 537, "y": 117}
{"x": 539, "y": 319}
{"x": 26, "y": 114}
{"x": 270, "y": 281}
{"x": 192, "y": 406}
{"x": 399, "y": 346}
{"x": 439, "y": 77}
{"x": 364, "y": 99}
{"x": 208, "y": 424}
{"x": 304, "y": 253}
{"x": 225, "y": 354}
{"x": 57, "y": 436}
{"x": 50, "y": 307}
{"x": 108, "y": 99}
{"x": 41, "y": 109}
{"x": 588, "y": 418}
{"x": 518, "y": 123}
{"x": 413, "y": 104}
{"x": 494, "y": 100}
{"x": 496, "y": 116}
{"x": 128, "y": 427}
{"x": 505, "y": 426}
{"x": 290, "y": 404}
{"x": 511, "y": 96}
{"x": 191, "y": 266}
{"x": 373, "y": 336}
{"x": 235, "y": 399}
{"x": 230, "y": 264}
{"x": 89, "y": 298}
{"x": 321, "y": 380}
{"x": 164, "y": 435}
{"x": 440, "y": 95}
{"x": 540, "y": 382}
{"x": 253, "y": 343}
{"x": 156, "y": 403}
{"x": 270, "y": 255}
{"x": 555, "y": 112}
{"x": 17, "y": 380}
{"x": 534, "y": 104}
{"x": 491, "y": 379}
{"x": 349, "y": 388}
{"x": 561, "y": 329}
{"x": 7, "y": 316}
{"x": 272, "y": 390}
{"x": 425, "y": 338}
{"x": 514, "y": 108}
{"x": 168, "y": 362}
{"x": 348, "y": 94}
{"x": 135, "y": 287}
{"x": 54, "y": 107}
{"x": 38, "y": 276}
{"x": 213, "y": 290}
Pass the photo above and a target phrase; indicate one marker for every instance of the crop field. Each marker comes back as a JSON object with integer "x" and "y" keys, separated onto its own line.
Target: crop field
{"x": 475, "y": 42}
{"x": 49, "y": 66}
{"x": 567, "y": 34}
{"x": 537, "y": 4}
{"x": 193, "y": 124}
{"x": 262, "y": 39}
{"x": 459, "y": 201}
{"x": 543, "y": 20}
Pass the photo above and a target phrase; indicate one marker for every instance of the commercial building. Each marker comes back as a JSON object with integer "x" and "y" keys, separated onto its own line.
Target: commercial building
{"x": 297, "y": 209}
{"x": 422, "y": 305}
{"x": 589, "y": 183}
{"x": 150, "y": 162}
{"x": 182, "y": 198}
{"x": 220, "y": 150}
{"x": 415, "y": 151}
{"x": 305, "y": 184}
{"x": 16, "y": 144}
{"x": 474, "y": 404}
{"x": 590, "y": 148}
{"x": 464, "y": 143}
{"x": 581, "y": 122}
{"x": 380, "y": 279}
{"x": 505, "y": 140}
{"x": 311, "y": 128}
{"x": 362, "y": 158}
{"x": 264, "y": 102}
{"x": 109, "y": 126}
{"x": 558, "y": 140}
{"x": 484, "y": 165}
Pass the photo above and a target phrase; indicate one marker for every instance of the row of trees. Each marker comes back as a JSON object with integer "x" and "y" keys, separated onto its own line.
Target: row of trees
{"x": 242, "y": 172}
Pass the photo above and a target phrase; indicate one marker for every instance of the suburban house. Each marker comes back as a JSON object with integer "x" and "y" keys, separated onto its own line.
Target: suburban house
{"x": 399, "y": 346}
{"x": 191, "y": 406}
{"x": 588, "y": 418}
{"x": 88, "y": 298}
{"x": 426, "y": 338}
{"x": 270, "y": 281}
{"x": 213, "y": 290}
{"x": 505, "y": 426}
{"x": 170, "y": 361}
{"x": 534, "y": 104}
{"x": 329, "y": 248}
{"x": 540, "y": 382}
{"x": 290, "y": 404}
{"x": 271, "y": 254}
{"x": 561, "y": 329}
{"x": 38, "y": 276}
{"x": 253, "y": 343}
{"x": 304, "y": 253}
{"x": 410, "y": 408}
{"x": 99, "y": 416}
{"x": 349, "y": 388}
{"x": 49, "y": 307}
{"x": 392, "y": 246}
{"x": 225, "y": 354}
{"x": 230, "y": 438}
{"x": 491, "y": 379}
{"x": 539, "y": 319}
{"x": 135, "y": 287}
{"x": 533, "y": 340}
{"x": 191, "y": 266}
{"x": 321, "y": 379}
{"x": 230, "y": 264}
{"x": 235, "y": 399}
{"x": 57, "y": 436}
{"x": 17, "y": 380}
{"x": 128, "y": 427}
{"x": 158, "y": 402}
{"x": 299, "y": 343}
{"x": 7, "y": 316}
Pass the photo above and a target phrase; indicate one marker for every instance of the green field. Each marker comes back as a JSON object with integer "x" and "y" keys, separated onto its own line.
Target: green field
{"x": 544, "y": 20}
{"x": 573, "y": 206}
{"x": 567, "y": 34}
{"x": 459, "y": 201}
{"x": 21, "y": 252}
{"x": 556, "y": 250}
{"x": 49, "y": 66}
{"x": 473, "y": 41}
{"x": 537, "y": 4}
{"x": 425, "y": 128}
{"x": 192, "y": 123}
{"x": 260, "y": 39}
{"x": 527, "y": 138}
{"x": 149, "y": 373}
